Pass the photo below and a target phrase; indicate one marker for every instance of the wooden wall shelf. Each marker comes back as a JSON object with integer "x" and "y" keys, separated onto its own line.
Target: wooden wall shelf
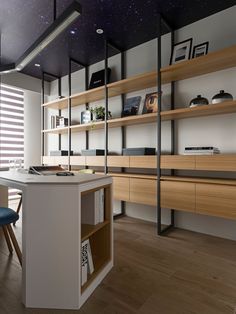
{"x": 63, "y": 130}
{"x": 214, "y": 61}
{"x": 219, "y": 162}
{"x": 57, "y": 104}
{"x": 183, "y": 113}
{"x": 206, "y": 110}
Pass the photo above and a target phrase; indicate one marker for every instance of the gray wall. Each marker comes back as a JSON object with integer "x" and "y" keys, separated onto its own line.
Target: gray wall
{"x": 218, "y": 131}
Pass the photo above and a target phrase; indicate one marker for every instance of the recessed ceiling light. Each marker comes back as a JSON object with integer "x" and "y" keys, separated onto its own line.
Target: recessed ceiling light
{"x": 37, "y": 65}
{"x": 99, "y": 31}
{"x": 72, "y": 32}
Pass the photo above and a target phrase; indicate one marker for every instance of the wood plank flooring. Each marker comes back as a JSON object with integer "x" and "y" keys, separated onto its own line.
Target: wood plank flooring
{"x": 184, "y": 273}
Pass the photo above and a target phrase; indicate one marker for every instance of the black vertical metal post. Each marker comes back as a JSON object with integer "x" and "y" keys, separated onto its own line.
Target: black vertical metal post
{"x": 54, "y": 10}
{"x": 42, "y": 115}
{"x": 87, "y": 105}
{"x": 172, "y": 123}
{"x": 106, "y": 106}
{"x": 123, "y": 133}
{"x": 59, "y": 111}
{"x": 69, "y": 115}
{"x": 159, "y": 125}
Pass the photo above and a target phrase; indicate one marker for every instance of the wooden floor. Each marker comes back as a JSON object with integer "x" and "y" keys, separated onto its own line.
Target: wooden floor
{"x": 184, "y": 273}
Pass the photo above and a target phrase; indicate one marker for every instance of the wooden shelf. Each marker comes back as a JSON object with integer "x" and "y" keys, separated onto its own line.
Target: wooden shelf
{"x": 199, "y": 180}
{"x": 88, "y": 230}
{"x": 115, "y": 123}
{"x": 56, "y": 131}
{"x": 206, "y": 110}
{"x": 132, "y": 120}
{"x": 87, "y": 127}
{"x": 57, "y": 104}
{"x": 212, "y": 62}
{"x": 183, "y": 113}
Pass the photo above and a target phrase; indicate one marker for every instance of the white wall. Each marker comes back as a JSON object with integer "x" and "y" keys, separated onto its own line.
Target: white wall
{"x": 32, "y": 128}
{"x": 32, "y": 118}
{"x": 218, "y": 131}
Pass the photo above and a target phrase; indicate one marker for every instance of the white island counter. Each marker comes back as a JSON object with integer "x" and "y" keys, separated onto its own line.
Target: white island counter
{"x": 52, "y": 234}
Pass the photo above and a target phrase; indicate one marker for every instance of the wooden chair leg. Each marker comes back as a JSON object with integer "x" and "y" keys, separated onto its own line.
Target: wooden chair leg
{"x": 18, "y": 208}
{"x": 7, "y": 239}
{"x": 15, "y": 243}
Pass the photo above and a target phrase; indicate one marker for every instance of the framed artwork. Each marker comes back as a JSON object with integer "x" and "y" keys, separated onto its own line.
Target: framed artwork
{"x": 200, "y": 50}
{"x": 131, "y": 106}
{"x": 181, "y": 51}
{"x": 150, "y": 103}
{"x": 86, "y": 116}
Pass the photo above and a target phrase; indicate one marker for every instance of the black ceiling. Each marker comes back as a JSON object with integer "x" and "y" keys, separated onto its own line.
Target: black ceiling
{"x": 127, "y": 23}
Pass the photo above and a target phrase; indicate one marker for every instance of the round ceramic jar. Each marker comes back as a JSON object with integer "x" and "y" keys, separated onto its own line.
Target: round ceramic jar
{"x": 222, "y": 96}
{"x": 198, "y": 101}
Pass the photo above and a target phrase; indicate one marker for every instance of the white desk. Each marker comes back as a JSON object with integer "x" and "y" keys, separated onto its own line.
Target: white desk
{"x": 51, "y": 237}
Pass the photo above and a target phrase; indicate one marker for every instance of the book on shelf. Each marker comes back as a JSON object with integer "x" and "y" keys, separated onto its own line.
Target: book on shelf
{"x": 201, "y": 150}
{"x": 87, "y": 266}
{"x": 92, "y": 208}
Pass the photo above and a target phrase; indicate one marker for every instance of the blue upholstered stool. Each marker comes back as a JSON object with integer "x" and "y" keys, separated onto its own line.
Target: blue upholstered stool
{"x": 7, "y": 217}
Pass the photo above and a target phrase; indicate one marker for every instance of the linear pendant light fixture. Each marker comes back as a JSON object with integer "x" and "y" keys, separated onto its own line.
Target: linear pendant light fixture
{"x": 55, "y": 29}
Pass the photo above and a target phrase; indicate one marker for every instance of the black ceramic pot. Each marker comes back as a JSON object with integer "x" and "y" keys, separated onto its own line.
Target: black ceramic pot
{"x": 198, "y": 101}
{"x": 222, "y": 96}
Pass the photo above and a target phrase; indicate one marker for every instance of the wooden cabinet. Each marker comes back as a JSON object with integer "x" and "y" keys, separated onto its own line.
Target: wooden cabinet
{"x": 48, "y": 160}
{"x": 178, "y": 195}
{"x": 121, "y": 188}
{"x": 143, "y": 191}
{"x": 95, "y": 161}
{"x": 177, "y": 162}
{"x": 118, "y": 161}
{"x": 216, "y": 163}
{"x": 216, "y": 200}
{"x": 77, "y": 160}
{"x": 61, "y": 160}
{"x": 148, "y": 162}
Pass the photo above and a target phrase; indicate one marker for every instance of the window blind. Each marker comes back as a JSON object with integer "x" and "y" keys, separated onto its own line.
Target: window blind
{"x": 11, "y": 127}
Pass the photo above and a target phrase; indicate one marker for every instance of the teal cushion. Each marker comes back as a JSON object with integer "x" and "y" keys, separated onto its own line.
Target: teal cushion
{"x": 7, "y": 216}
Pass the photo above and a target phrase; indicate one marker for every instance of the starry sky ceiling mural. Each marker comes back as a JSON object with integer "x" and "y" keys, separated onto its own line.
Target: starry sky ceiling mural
{"x": 127, "y": 23}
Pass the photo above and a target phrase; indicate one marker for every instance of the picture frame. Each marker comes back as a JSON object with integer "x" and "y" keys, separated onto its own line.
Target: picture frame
{"x": 131, "y": 106}
{"x": 150, "y": 103}
{"x": 86, "y": 117}
{"x": 200, "y": 50}
{"x": 181, "y": 51}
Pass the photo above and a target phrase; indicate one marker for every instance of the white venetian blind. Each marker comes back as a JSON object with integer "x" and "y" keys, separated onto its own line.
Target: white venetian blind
{"x": 11, "y": 126}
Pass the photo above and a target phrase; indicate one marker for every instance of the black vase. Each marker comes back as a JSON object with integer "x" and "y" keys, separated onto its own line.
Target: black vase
{"x": 222, "y": 96}
{"x": 198, "y": 101}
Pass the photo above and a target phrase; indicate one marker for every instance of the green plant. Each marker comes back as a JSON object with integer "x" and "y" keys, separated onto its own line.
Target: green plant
{"x": 99, "y": 113}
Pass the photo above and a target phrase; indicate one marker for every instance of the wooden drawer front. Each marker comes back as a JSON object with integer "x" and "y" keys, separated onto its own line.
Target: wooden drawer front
{"x": 61, "y": 160}
{"x": 178, "y": 162}
{"x": 77, "y": 160}
{"x": 216, "y": 162}
{"x": 95, "y": 161}
{"x": 178, "y": 195}
{"x": 143, "y": 191}
{"x": 148, "y": 162}
{"x": 48, "y": 160}
{"x": 118, "y": 161}
{"x": 121, "y": 188}
{"x": 216, "y": 200}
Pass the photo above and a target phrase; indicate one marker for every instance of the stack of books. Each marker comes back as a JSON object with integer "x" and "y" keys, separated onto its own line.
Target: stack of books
{"x": 201, "y": 150}
{"x": 87, "y": 266}
{"x": 92, "y": 208}
{"x": 58, "y": 122}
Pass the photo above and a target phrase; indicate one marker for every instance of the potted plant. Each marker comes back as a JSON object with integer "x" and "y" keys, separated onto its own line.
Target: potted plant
{"x": 98, "y": 113}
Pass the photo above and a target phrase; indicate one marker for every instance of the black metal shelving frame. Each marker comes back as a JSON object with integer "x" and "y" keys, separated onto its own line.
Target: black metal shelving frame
{"x": 108, "y": 44}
